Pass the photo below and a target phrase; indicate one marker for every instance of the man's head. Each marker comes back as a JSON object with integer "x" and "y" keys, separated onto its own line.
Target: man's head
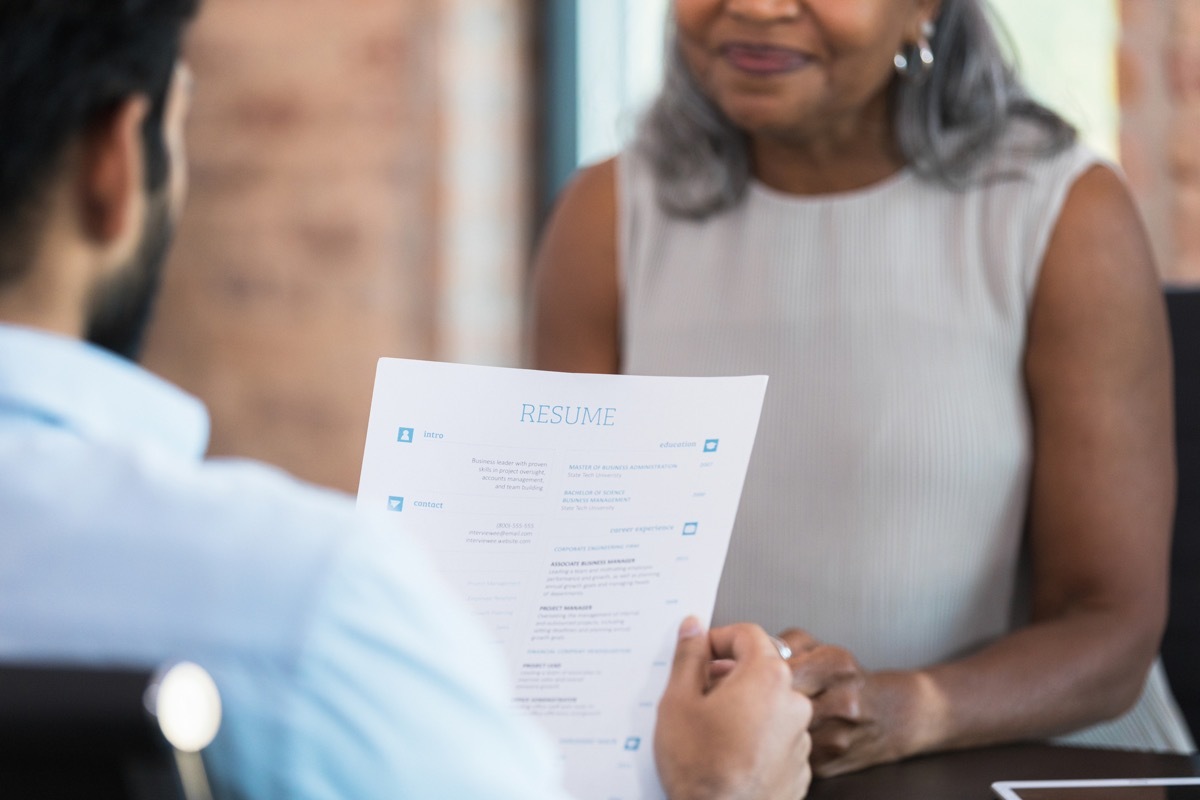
{"x": 92, "y": 98}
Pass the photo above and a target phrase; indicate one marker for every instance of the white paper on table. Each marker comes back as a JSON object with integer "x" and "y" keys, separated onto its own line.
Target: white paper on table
{"x": 583, "y": 517}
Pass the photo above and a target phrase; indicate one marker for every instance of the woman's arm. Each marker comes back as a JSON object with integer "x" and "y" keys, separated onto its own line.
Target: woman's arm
{"x": 1098, "y": 367}
{"x": 1098, "y": 371}
{"x": 575, "y": 305}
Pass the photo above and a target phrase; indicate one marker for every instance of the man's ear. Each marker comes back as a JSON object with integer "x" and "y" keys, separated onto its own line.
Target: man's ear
{"x": 112, "y": 171}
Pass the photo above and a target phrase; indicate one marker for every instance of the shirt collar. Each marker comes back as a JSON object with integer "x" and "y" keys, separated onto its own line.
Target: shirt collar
{"x": 72, "y": 384}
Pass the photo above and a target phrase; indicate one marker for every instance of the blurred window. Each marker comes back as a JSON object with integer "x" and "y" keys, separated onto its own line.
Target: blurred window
{"x": 1067, "y": 53}
{"x": 620, "y": 70}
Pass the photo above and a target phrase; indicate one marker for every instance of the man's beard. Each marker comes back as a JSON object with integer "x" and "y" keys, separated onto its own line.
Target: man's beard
{"x": 121, "y": 306}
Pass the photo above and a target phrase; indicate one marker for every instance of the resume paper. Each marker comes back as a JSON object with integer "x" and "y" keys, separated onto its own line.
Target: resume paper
{"x": 583, "y": 517}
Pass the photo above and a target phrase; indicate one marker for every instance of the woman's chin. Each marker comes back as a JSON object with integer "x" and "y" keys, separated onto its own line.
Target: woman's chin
{"x": 765, "y": 114}
{"x": 762, "y": 122}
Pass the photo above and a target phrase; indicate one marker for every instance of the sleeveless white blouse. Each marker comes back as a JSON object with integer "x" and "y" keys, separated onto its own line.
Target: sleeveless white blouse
{"x": 886, "y": 497}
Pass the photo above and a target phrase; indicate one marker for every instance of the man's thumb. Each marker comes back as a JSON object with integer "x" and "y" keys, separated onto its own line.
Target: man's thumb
{"x": 693, "y": 652}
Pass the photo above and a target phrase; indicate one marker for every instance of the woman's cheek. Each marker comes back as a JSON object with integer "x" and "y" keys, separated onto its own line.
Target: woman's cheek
{"x": 692, "y": 17}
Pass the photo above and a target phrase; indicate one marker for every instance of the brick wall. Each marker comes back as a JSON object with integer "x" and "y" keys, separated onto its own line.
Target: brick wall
{"x": 1160, "y": 126}
{"x": 313, "y": 239}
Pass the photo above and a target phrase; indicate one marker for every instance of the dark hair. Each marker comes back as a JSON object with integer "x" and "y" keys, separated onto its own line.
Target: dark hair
{"x": 946, "y": 125}
{"x": 64, "y": 64}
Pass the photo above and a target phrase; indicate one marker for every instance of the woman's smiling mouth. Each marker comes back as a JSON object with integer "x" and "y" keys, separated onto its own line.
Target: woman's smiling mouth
{"x": 761, "y": 59}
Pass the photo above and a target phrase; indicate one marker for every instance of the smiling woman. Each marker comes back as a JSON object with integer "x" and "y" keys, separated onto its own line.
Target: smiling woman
{"x": 1065, "y": 52}
{"x": 792, "y": 80}
{"x": 969, "y": 367}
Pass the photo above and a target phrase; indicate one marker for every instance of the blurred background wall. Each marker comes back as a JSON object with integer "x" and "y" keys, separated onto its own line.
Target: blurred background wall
{"x": 368, "y": 175}
{"x": 1160, "y": 126}
{"x": 358, "y": 190}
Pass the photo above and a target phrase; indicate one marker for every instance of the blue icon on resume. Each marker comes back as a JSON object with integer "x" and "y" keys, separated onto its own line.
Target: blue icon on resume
{"x": 690, "y": 528}
{"x": 405, "y": 435}
{"x": 633, "y": 743}
{"x": 710, "y": 445}
{"x": 395, "y": 504}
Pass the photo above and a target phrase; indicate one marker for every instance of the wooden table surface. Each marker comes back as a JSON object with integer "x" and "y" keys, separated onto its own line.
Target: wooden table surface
{"x": 969, "y": 774}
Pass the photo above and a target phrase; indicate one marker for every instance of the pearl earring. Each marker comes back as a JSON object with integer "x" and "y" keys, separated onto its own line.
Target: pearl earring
{"x": 913, "y": 62}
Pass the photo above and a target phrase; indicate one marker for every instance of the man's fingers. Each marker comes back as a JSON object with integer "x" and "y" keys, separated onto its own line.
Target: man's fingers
{"x": 805, "y": 747}
{"x": 689, "y": 672}
{"x": 719, "y": 669}
{"x": 741, "y": 642}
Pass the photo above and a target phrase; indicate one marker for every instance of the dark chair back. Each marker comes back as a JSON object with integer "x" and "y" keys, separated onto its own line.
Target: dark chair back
{"x": 1181, "y": 644}
{"x": 77, "y": 732}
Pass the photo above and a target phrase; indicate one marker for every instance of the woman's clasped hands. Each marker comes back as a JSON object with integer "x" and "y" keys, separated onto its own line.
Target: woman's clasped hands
{"x": 860, "y": 718}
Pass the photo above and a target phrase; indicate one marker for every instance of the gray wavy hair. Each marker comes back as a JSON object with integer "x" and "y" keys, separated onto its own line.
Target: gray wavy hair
{"x": 945, "y": 125}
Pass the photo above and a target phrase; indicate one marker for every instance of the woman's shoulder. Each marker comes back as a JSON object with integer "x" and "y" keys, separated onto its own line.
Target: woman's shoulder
{"x": 598, "y": 176}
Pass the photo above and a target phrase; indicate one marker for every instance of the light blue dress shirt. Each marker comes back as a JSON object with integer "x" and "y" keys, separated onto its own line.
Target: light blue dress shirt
{"x": 347, "y": 668}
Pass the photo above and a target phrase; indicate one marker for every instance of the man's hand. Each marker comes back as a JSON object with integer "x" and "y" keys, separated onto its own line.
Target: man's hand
{"x": 745, "y": 736}
{"x": 860, "y": 718}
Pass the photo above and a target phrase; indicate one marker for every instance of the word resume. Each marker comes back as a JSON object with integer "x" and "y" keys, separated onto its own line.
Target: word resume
{"x": 583, "y": 517}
